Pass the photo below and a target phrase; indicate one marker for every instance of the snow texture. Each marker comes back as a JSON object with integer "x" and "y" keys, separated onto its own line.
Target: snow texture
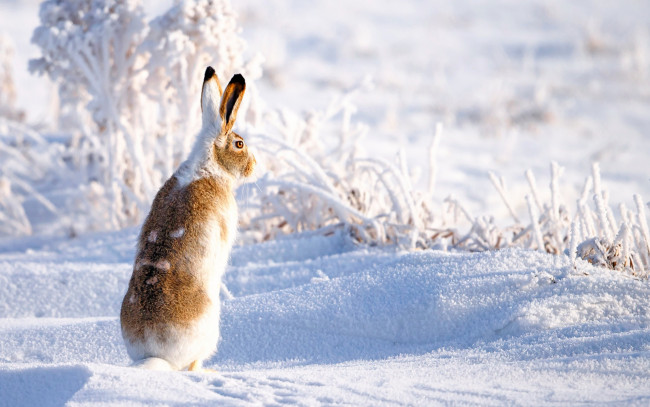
{"x": 316, "y": 321}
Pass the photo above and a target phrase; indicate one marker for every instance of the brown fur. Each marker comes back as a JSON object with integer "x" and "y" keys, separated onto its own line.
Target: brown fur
{"x": 234, "y": 160}
{"x": 160, "y": 296}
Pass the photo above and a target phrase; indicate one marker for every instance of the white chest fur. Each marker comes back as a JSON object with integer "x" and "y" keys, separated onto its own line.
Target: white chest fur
{"x": 217, "y": 246}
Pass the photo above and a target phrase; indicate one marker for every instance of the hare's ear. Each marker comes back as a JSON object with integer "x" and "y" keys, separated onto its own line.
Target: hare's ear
{"x": 230, "y": 102}
{"x": 210, "y": 96}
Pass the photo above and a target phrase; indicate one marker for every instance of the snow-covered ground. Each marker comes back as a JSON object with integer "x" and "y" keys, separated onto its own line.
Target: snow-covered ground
{"x": 319, "y": 321}
{"x": 316, "y": 321}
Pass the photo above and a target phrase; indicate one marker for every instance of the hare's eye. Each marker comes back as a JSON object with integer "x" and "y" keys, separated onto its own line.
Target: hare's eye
{"x": 239, "y": 144}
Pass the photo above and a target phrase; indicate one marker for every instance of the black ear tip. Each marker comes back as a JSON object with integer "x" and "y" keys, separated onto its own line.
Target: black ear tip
{"x": 209, "y": 73}
{"x": 238, "y": 78}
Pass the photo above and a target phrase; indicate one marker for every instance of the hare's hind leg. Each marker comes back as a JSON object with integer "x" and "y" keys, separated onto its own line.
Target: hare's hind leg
{"x": 197, "y": 366}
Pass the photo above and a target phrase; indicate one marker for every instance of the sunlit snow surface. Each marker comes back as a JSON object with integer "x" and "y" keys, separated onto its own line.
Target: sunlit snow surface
{"x": 318, "y": 321}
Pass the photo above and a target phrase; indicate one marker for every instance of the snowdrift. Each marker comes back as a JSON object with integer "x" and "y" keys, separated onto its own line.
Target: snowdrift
{"x": 306, "y": 303}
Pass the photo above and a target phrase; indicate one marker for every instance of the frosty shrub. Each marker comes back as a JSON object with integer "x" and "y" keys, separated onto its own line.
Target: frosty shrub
{"x": 310, "y": 186}
{"x": 129, "y": 88}
{"x": 89, "y": 49}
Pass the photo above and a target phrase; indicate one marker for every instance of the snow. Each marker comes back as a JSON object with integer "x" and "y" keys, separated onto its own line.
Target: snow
{"x": 317, "y": 320}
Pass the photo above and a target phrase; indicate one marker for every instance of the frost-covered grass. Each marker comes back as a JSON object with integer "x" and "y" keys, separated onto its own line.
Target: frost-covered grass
{"x": 127, "y": 90}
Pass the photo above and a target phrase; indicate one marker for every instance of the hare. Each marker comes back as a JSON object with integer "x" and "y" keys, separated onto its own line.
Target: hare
{"x": 170, "y": 313}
